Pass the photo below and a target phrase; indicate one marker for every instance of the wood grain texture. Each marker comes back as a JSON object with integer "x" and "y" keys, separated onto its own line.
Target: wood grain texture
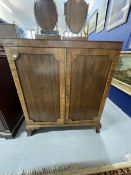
{"x": 110, "y": 45}
{"x": 17, "y": 82}
{"x": 86, "y": 79}
{"x": 48, "y": 37}
{"x": 75, "y": 14}
{"x": 45, "y": 14}
{"x": 40, "y": 79}
{"x": 114, "y": 59}
{"x": 122, "y": 86}
{"x": 74, "y": 38}
{"x": 59, "y": 56}
{"x": 85, "y": 72}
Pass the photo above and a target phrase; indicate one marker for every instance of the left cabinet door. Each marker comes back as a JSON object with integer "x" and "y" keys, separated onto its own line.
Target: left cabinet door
{"x": 39, "y": 75}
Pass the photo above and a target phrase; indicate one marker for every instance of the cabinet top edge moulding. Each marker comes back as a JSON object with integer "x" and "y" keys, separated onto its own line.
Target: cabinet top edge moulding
{"x": 62, "y": 44}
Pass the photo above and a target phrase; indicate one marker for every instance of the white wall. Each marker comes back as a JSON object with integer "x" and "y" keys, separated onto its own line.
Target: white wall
{"x": 8, "y": 15}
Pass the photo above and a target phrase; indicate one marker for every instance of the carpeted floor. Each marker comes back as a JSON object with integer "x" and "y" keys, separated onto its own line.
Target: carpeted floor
{"x": 82, "y": 146}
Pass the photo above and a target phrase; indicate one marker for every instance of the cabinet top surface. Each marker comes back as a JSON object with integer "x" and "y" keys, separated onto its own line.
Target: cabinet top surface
{"x": 62, "y": 44}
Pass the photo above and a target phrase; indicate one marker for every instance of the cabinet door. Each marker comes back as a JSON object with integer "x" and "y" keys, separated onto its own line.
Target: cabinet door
{"x": 87, "y": 72}
{"x": 39, "y": 78}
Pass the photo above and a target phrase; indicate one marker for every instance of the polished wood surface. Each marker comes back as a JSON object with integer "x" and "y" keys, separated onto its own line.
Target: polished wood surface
{"x": 45, "y": 14}
{"x": 75, "y": 14}
{"x": 40, "y": 80}
{"x": 110, "y": 45}
{"x": 13, "y": 58}
{"x": 88, "y": 75}
{"x": 48, "y": 37}
{"x": 85, "y": 70}
{"x": 39, "y": 77}
{"x": 74, "y": 38}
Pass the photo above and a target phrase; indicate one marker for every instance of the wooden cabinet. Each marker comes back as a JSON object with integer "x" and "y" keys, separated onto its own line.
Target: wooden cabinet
{"x": 11, "y": 116}
{"x": 62, "y": 83}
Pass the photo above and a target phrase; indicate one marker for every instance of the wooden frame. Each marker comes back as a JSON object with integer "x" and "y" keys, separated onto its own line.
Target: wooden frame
{"x": 29, "y": 46}
{"x": 115, "y": 13}
{"x": 101, "y": 16}
{"x": 117, "y": 82}
{"x": 122, "y": 86}
{"x": 109, "y": 45}
{"x": 113, "y": 59}
{"x": 92, "y": 22}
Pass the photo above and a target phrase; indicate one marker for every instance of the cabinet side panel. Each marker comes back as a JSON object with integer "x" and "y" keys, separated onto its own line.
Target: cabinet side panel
{"x": 40, "y": 80}
{"x": 89, "y": 74}
{"x": 9, "y": 102}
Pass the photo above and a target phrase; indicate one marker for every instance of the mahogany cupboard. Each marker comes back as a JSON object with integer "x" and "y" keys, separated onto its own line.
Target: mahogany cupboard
{"x": 62, "y": 83}
{"x": 11, "y": 116}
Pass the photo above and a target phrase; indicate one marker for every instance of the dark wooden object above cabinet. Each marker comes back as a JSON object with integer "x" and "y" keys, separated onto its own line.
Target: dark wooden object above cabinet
{"x": 10, "y": 109}
{"x": 62, "y": 83}
{"x": 10, "y": 31}
{"x": 46, "y": 14}
{"x": 75, "y": 14}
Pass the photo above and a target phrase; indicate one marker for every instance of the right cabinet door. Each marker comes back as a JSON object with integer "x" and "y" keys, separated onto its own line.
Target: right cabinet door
{"x": 87, "y": 71}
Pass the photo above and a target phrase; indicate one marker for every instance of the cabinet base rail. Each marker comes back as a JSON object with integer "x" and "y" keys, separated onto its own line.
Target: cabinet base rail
{"x": 31, "y": 129}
